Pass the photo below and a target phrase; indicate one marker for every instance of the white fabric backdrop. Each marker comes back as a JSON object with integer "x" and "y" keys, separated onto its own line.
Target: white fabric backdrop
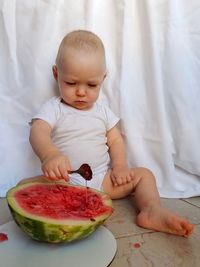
{"x": 153, "y": 54}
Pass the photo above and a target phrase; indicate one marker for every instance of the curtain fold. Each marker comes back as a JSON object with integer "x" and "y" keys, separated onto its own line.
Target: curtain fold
{"x": 152, "y": 51}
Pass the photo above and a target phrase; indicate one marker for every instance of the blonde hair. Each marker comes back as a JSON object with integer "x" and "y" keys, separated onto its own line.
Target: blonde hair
{"x": 82, "y": 40}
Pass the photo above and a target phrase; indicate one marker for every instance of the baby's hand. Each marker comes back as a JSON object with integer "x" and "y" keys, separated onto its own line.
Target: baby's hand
{"x": 55, "y": 166}
{"x": 121, "y": 175}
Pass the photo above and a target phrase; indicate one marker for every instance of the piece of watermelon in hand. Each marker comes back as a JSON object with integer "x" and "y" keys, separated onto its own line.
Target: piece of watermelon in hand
{"x": 85, "y": 171}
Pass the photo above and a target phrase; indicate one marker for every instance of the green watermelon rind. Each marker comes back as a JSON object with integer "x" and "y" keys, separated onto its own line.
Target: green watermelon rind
{"x": 52, "y": 230}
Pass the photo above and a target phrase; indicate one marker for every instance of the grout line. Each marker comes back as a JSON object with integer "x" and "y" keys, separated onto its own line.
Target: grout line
{"x": 192, "y": 204}
{"x": 134, "y": 234}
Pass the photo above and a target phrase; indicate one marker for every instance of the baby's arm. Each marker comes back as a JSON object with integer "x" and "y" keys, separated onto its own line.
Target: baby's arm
{"x": 121, "y": 173}
{"x": 54, "y": 163}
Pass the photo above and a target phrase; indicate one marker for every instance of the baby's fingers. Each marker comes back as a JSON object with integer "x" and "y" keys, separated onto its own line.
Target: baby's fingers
{"x": 123, "y": 179}
{"x": 64, "y": 173}
{"x": 129, "y": 178}
{"x": 116, "y": 180}
{"x": 51, "y": 175}
{"x": 113, "y": 179}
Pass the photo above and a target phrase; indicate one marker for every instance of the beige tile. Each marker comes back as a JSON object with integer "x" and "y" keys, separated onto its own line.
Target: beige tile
{"x": 120, "y": 262}
{"x": 158, "y": 249}
{"x": 183, "y": 208}
{"x": 168, "y": 250}
{"x": 123, "y": 247}
{"x": 122, "y": 221}
{"x": 193, "y": 200}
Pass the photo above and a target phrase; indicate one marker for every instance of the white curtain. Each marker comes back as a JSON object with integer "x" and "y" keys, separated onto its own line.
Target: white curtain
{"x": 153, "y": 53}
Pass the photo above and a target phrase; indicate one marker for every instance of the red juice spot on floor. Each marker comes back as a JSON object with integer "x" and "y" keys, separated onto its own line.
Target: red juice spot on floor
{"x": 3, "y": 237}
{"x": 136, "y": 245}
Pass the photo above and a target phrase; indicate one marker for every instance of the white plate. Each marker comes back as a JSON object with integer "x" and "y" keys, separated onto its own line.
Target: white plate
{"x": 19, "y": 250}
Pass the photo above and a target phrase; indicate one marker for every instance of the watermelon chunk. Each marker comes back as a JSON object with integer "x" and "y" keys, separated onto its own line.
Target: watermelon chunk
{"x": 58, "y": 212}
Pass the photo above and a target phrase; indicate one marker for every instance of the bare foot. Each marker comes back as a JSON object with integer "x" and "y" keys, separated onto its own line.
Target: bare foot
{"x": 163, "y": 220}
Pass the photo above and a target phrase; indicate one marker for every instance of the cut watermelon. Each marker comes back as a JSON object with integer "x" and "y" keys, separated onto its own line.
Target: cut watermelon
{"x": 58, "y": 212}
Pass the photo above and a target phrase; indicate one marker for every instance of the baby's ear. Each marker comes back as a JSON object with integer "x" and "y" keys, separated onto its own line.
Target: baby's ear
{"x": 55, "y": 72}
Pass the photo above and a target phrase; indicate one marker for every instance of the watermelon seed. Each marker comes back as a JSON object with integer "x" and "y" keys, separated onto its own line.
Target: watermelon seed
{"x": 24, "y": 194}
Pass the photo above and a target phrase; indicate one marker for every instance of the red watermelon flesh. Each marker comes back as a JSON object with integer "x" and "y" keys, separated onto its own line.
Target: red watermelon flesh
{"x": 61, "y": 202}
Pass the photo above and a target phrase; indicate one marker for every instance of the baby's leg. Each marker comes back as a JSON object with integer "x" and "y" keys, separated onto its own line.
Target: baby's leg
{"x": 151, "y": 214}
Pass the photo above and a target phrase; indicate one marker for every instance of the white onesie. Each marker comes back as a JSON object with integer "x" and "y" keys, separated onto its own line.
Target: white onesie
{"x": 81, "y": 136}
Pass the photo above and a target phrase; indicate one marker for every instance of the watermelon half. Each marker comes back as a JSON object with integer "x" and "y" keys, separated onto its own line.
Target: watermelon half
{"x": 58, "y": 212}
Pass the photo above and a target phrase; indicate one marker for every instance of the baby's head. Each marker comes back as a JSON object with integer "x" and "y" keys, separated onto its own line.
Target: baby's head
{"x": 80, "y": 68}
{"x": 81, "y": 42}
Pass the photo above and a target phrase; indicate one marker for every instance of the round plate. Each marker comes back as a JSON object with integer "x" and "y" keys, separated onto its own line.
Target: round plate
{"x": 19, "y": 250}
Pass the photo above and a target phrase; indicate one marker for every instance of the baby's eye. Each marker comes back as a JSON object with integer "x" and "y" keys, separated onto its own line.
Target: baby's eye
{"x": 92, "y": 85}
{"x": 70, "y": 83}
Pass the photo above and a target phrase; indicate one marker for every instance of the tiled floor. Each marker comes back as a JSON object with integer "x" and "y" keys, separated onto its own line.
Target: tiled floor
{"x": 138, "y": 247}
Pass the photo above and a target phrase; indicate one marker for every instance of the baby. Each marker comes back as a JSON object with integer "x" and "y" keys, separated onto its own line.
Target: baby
{"x": 75, "y": 128}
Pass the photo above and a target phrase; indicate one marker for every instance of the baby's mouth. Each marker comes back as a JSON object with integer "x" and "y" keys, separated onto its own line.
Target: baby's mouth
{"x": 80, "y": 102}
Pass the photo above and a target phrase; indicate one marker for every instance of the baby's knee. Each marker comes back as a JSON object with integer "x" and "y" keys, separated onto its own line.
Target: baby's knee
{"x": 148, "y": 171}
{"x": 143, "y": 172}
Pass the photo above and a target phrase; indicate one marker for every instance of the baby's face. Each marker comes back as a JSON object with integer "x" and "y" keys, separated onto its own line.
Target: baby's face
{"x": 80, "y": 77}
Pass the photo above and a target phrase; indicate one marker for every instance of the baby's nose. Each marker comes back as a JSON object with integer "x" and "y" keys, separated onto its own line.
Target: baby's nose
{"x": 80, "y": 91}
